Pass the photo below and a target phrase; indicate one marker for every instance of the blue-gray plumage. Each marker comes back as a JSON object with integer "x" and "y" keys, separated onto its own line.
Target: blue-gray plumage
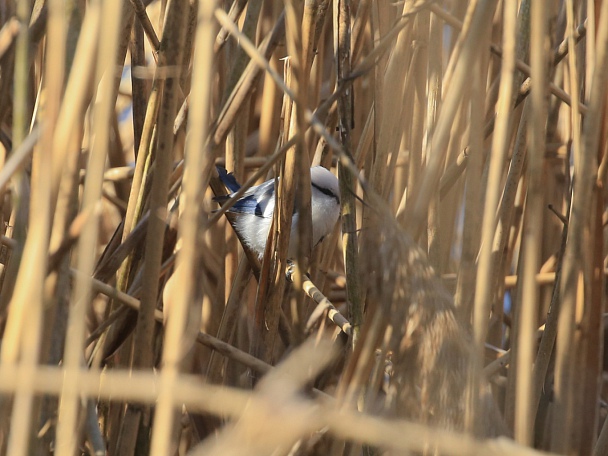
{"x": 254, "y": 210}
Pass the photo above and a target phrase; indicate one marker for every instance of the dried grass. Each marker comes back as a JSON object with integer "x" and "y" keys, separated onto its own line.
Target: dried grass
{"x": 457, "y": 309}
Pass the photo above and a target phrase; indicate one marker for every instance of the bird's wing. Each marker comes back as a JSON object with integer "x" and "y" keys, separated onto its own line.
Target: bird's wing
{"x": 258, "y": 201}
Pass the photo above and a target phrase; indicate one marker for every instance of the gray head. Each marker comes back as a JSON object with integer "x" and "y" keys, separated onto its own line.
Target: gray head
{"x": 325, "y": 182}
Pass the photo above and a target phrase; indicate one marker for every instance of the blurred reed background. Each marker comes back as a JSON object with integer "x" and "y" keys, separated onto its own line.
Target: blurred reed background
{"x": 465, "y": 284}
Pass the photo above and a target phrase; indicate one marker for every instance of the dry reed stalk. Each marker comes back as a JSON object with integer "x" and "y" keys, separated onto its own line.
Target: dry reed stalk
{"x": 478, "y": 31}
{"x": 592, "y": 325}
{"x": 29, "y": 287}
{"x": 77, "y": 96}
{"x": 229, "y": 317}
{"x": 143, "y": 387}
{"x": 198, "y": 158}
{"x": 72, "y": 360}
{"x": 341, "y": 22}
{"x": 15, "y": 325}
{"x": 414, "y": 347}
{"x": 170, "y": 54}
{"x": 226, "y": 117}
{"x": 235, "y": 141}
{"x": 390, "y": 108}
{"x": 64, "y": 199}
{"x": 271, "y": 288}
{"x": 269, "y": 122}
{"x": 205, "y": 339}
{"x": 467, "y": 272}
{"x": 524, "y": 418}
{"x": 301, "y": 20}
{"x": 139, "y": 86}
{"x": 577, "y": 275}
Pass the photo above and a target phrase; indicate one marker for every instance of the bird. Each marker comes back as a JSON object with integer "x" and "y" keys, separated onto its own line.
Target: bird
{"x": 254, "y": 210}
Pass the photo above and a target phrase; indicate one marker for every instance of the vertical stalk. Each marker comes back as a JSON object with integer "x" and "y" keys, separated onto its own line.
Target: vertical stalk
{"x": 198, "y": 158}
{"x": 29, "y": 288}
{"x": 72, "y": 360}
{"x": 347, "y": 179}
{"x": 481, "y": 20}
{"x": 299, "y": 47}
{"x": 575, "y": 286}
{"x": 483, "y": 291}
{"x": 531, "y": 235}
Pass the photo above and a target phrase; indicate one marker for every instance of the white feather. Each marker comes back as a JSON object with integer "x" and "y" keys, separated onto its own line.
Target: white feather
{"x": 325, "y": 207}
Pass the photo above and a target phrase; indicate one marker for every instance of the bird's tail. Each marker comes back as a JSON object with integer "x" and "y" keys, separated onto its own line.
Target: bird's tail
{"x": 228, "y": 179}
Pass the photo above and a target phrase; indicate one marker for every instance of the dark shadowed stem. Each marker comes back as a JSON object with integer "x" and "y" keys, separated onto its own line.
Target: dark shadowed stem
{"x": 342, "y": 42}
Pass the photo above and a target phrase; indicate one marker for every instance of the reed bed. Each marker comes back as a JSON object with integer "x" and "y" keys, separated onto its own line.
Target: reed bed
{"x": 457, "y": 309}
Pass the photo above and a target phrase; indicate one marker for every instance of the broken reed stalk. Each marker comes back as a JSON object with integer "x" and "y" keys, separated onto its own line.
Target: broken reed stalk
{"x": 323, "y": 304}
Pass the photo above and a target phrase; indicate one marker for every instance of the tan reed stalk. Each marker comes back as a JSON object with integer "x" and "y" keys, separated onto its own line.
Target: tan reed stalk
{"x": 8, "y": 34}
{"x": 22, "y": 116}
{"x": 77, "y": 96}
{"x": 468, "y": 275}
{"x": 467, "y": 271}
{"x": 29, "y": 288}
{"x": 139, "y": 86}
{"x": 236, "y": 9}
{"x": 358, "y": 29}
{"x": 341, "y": 22}
{"x": 397, "y": 137}
{"x": 591, "y": 325}
{"x": 216, "y": 344}
{"x": 269, "y": 297}
{"x": 197, "y": 158}
{"x": 170, "y": 54}
{"x": 259, "y": 57}
{"x": 18, "y": 157}
{"x": 138, "y": 197}
{"x": 235, "y": 154}
{"x": 393, "y": 87}
{"x": 300, "y": 49}
{"x": 506, "y": 211}
{"x": 375, "y": 160}
{"x": 427, "y": 100}
{"x": 531, "y": 235}
{"x": 146, "y": 25}
{"x": 400, "y": 435}
{"x": 269, "y": 117}
{"x": 235, "y": 141}
{"x": 500, "y": 257}
{"x": 65, "y": 148}
{"x": 450, "y": 202}
{"x": 476, "y": 33}
{"x": 142, "y": 158}
{"x": 229, "y": 318}
{"x": 73, "y": 356}
{"x": 467, "y": 10}
{"x": 577, "y": 272}
{"x": 440, "y": 137}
